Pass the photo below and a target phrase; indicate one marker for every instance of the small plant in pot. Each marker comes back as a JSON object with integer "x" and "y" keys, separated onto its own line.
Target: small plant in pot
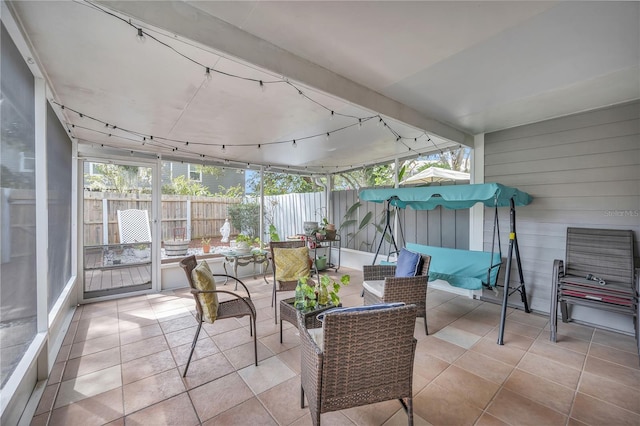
{"x": 206, "y": 245}
{"x": 323, "y": 293}
{"x": 244, "y": 243}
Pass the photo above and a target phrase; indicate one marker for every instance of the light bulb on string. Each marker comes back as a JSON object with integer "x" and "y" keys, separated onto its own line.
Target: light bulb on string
{"x": 207, "y": 76}
{"x": 379, "y": 121}
{"x": 262, "y": 86}
{"x": 140, "y": 36}
{"x": 331, "y": 116}
{"x": 295, "y": 145}
{"x": 224, "y": 148}
{"x": 359, "y": 123}
{"x": 328, "y": 136}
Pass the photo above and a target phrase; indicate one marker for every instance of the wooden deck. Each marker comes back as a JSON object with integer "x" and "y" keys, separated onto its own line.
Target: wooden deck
{"x": 114, "y": 269}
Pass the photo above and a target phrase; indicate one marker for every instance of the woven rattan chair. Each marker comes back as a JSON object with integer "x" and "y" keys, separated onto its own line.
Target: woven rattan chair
{"x": 361, "y": 358}
{"x": 277, "y": 284}
{"x": 410, "y": 290}
{"x": 237, "y": 307}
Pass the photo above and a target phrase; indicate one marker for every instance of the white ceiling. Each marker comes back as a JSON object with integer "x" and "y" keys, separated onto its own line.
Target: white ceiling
{"x": 450, "y": 69}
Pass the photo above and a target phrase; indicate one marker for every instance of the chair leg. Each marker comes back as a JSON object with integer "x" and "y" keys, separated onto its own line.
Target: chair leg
{"x": 410, "y": 411}
{"x": 301, "y": 397}
{"x": 255, "y": 340}
{"x": 426, "y": 329}
{"x": 193, "y": 346}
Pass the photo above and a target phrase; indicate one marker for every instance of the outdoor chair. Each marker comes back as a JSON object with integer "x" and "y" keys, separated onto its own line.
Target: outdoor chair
{"x": 290, "y": 261}
{"x": 381, "y": 285}
{"x": 357, "y": 358}
{"x": 598, "y": 273}
{"x": 209, "y": 308}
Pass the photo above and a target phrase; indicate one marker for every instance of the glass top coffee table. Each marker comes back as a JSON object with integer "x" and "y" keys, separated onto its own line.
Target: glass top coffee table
{"x": 289, "y": 313}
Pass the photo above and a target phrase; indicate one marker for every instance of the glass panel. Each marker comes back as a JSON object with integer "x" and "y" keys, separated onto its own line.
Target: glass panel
{"x": 117, "y": 231}
{"x": 59, "y": 160}
{"x": 17, "y": 209}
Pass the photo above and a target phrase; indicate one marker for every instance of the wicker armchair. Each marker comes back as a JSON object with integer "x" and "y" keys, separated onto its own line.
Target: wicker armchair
{"x": 237, "y": 307}
{"x": 410, "y": 290}
{"x": 282, "y": 285}
{"x": 363, "y": 358}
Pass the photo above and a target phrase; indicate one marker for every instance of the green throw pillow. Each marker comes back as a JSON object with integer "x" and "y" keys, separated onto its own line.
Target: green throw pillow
{"x": 203, "y": 280}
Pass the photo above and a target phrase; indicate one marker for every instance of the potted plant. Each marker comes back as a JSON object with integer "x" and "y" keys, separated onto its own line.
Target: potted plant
{"x": 206, "y": 245}
{"x": 244, "y": 243}
{"x": 141, "y": 251}
{"x": 324, "y": 292}
{"x": 327, "y": 230}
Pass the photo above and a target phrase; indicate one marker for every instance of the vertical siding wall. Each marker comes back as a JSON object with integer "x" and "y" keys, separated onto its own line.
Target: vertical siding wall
{"x": 582, "y": 170}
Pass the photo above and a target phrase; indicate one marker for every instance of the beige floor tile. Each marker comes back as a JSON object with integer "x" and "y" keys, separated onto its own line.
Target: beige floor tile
{"x": 567, "y": 342}
{"x": 504, "y": 353}
{"x": 511, "y": 339}
{"x": 609, "y": 370}
{"x": 93, "y": 328}
{"x": 177, "y": 410}
{"x": 132, "y": 320}
{"x": 615, "y": 340}
{"x": 233, "y": 338}
{"x": 400, "y": 419}
{"x": 474, "y": 327}
{"x": 180, "y": 323}
{"x": 151, "y": 390}
{"x": 611, "y": 392}
{"x": 88, "y": 347}
{"x": 89, "y": 363}
{"x": 71, "y": 333}
{"x": 291, "y": 358}
{"x": 541, "y": 390}
{"x": 574, "y": 330}
{"x": 290, "y": 339}
{"x": 243, "y": 355}
{"x": 146, "y": 366}
{"x": 56, "y": 372}
{"x": 204, "y": 348}
{"x": 206, "y": 369}
{"x": 373, "y": 414}
{"x": 484, "y": 366}
{"x": 89, "y": 385}
{"x": 283, "y": 401}
{"x": 488, "y": 420}
{"x": 47, "y": 399}
{"x": 266, "y": 375}
{"x": 439, "y": 406}
{"x": 556, "y": 353}
{"x": 97, "y": 410}
{"x": 140, "y": 333}
{"x": 628, "y": 359}
{"x": 441, "y": 349}
{"x": 593, "y": 411}
{"x": 40, "y": 420}
{"x": 516, "y": 409}
{"x": 219, "y": 395}
{"x": 250, "y": 412}
{"x": 550, "y": 370}
{"x": 530, "y": 319}
{"x": 457, "y": 336}
{"x": 63, "y": 354}
{"x": 427, "y": 366}
{"x": 142, "y": 348}
{"x": 471, "y": 389}
{"x": 222, "y": 326}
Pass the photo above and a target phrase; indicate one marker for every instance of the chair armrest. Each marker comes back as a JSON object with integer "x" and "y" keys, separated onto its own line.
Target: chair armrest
{"x": 558, "y": 269}
{"x": 236, "y": 279}
{"x": 237, "y": 296}
{"x": 311, "y": 365}
{"x": 378, "y": 272}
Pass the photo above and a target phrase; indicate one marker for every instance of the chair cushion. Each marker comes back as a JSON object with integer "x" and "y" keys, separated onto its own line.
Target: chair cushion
{"x": 291, "y": 263}
{"x": 408, "y": 263}
{"x": 374, "y": 307}
{"x": 204, "y": 280}
{"x": 318, "y": 336}
{"x": 375, "y": 287}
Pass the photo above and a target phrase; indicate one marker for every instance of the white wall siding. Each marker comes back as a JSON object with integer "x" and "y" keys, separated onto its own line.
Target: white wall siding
{"x": 582, "y": 170}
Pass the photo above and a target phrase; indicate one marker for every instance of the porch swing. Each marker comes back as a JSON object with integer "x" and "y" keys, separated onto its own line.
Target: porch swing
{"x": 462, "y": 268}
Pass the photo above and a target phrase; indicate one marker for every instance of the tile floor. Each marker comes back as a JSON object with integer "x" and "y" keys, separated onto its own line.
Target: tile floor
{"x": 122, "y": 362}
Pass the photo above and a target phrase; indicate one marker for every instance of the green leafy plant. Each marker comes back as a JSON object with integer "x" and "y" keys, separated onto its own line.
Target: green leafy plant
{"x": 243, "y": 238}
{"x": 205, "y": 241}
{"x": 245, "y": 217}
{"x": 273, "y": 233}
{"x": 324, "y": 292}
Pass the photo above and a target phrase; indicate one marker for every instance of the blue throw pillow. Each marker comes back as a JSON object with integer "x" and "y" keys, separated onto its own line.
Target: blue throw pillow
{"x": 321, "y": 315}
{"x": 408, "y": 263}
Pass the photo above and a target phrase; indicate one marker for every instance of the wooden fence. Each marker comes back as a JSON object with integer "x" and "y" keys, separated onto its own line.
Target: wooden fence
{"x": 200, "y": 216}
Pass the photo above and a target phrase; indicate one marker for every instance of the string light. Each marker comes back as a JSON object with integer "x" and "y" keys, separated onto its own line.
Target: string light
{"x": 140, "y": 37}
{"x": 224, "y": 148}
{"x": 332, "y": 114}
{"x": 359, "y": 123}
{"x": 327, "y": 136}
{"x": 294, "y": 144}
{"x": 207, "y": 77}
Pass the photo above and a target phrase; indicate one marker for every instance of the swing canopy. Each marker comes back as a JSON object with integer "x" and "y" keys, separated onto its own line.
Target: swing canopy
{"x": 449, "y": 196}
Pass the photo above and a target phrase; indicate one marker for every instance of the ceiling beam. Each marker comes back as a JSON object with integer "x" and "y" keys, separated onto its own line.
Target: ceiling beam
{"x": 186, "y": 21}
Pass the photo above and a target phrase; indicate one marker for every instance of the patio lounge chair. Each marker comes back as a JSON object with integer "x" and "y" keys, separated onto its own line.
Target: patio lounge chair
{"x": 358, "y": 358}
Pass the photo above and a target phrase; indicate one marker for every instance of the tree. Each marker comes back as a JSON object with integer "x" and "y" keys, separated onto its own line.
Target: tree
{"x": 182, "y": 185}
{"x": 281, "y": 183}
{"x": 118, "y": 178}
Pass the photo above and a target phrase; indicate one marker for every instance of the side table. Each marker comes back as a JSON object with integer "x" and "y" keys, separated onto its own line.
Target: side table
{"x": 289, "y": 313}
{"x": 236, "y": 260}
